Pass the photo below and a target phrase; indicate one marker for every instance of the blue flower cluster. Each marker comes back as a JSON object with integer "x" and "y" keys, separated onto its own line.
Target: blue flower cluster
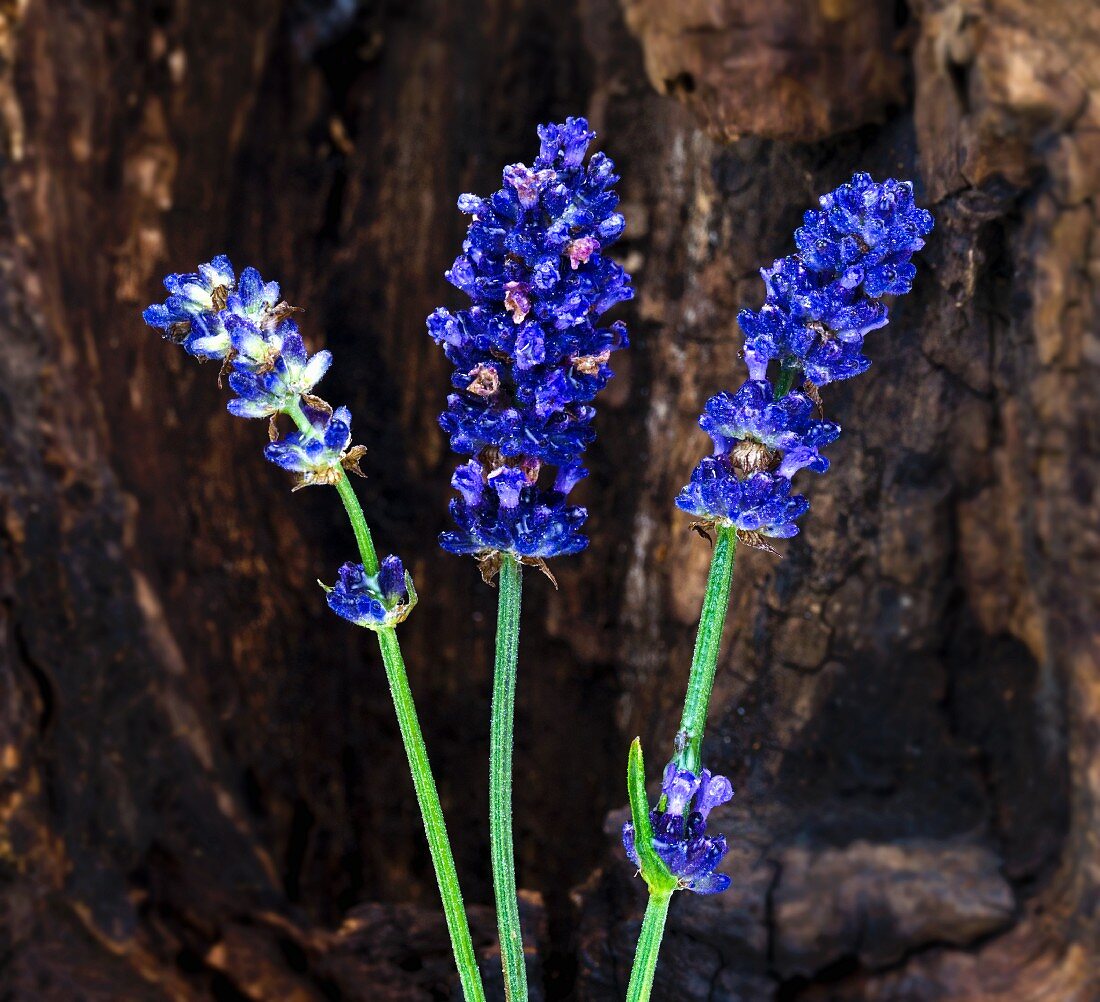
{"x": 680, "y": 829}
{"x": 242, "y": 322}
{"x": 822, "y": 301}
{"x": 375, "y": 601}
{"x": 245, "y": 325}
{"x": 319, "y": 455}
{"x": 820, "y": 304}
{"x": 529, "y": 355}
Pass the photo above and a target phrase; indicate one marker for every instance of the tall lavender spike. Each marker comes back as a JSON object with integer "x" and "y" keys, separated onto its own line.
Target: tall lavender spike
{"x": 529, "y": 355}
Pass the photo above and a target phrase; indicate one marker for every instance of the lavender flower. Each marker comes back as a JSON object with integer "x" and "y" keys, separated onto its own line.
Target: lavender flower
{"x": 373, "y": 601}
{"x": 270, "y": 370}
{"x": 243, "y": 323}
{"x": 189, "y": 315}
{"x": 320, "y": 456}
{"x": 529, "y": 355}
{"x": 753, "y": 422}
{"x": 820, "y": 304}
{"x": 680, "y": 826}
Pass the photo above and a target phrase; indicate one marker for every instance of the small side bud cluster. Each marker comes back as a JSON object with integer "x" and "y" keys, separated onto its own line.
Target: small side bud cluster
{"x": 374, "y": 601}
{"x": 679, "y": 830}
{"x": 320, "y": 455}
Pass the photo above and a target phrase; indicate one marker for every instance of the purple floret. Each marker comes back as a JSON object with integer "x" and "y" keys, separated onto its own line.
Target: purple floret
{"x": 188, "y": 315}
{"x": 502, "y": 511}
{"x": 321, "y": 454}
{"x": 761, "y": 502}
{"x": 754, "y": 413}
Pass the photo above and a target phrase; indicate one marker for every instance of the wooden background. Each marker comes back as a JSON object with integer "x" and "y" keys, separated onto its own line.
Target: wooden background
{"x": 202, "y": 793}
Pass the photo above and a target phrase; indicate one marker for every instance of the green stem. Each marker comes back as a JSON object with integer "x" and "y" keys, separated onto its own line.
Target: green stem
{"x": 500, "y": 781}
{"x": 649, "y": 945}
{"x": 707, "y": 643}
{"x": 427, "y": 796}
{"x": 432, "y": 813}
{"x": 358, "y": 523}
{"x": 689, "y": 741}
{"x": 693, "y": 722}
{"x": 785, "y": 381}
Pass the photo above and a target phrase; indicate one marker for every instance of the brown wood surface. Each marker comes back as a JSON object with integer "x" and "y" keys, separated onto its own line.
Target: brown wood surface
{"x": 202, "y": 793}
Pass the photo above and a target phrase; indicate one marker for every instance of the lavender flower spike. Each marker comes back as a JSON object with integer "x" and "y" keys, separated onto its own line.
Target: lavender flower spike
{"x": 529, "y": 353}
{"x": 241, "y": 322}
{"x": 680, "y": 830}
{"x": 820, "y": 304}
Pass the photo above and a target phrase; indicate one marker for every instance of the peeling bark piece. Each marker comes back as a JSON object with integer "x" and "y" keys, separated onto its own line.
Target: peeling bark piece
{"x": 784, "y": 69}
{"x": 996, "y": 80}
{"x": 880, "y": 902}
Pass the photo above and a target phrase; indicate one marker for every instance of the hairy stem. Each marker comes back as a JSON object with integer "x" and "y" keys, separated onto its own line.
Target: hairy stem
{"x": 649, "y": 945}
{"x": 431, "y": 811}
{"x": 704, "y": 662}
{"x": 689, "y": 743}
{"x": 358, "y": 524}
{"x": 500, "y": 781}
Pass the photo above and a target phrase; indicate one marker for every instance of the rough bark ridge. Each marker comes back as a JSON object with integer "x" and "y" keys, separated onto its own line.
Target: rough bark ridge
{"x": 202, "y": 792}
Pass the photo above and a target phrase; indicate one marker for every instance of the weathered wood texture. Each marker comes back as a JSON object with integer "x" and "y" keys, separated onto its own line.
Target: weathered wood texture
{"x": 203, "y": 795}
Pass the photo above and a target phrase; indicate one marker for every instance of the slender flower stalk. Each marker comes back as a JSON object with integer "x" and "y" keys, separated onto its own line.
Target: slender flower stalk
{"x": 649, "y": 946}
{"x": 243, "y": 324}
{"x": 704, "y": 662}
{"x": 529, "y": 358}
{"x": 820, "y": 304}
{"x": 500, "y": 777}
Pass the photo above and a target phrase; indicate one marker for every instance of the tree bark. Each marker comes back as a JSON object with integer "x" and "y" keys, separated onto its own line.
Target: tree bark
{"x": 202, "y": 792}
